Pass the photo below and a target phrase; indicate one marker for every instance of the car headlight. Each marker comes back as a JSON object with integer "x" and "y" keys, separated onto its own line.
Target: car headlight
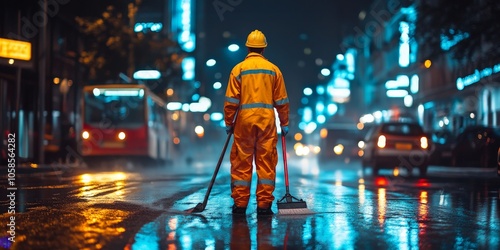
{"x": 85, "y": 135}
{"x": 381, "y": 141}
{"x": 121, "y": 136}
{"x": 424, "y": 143}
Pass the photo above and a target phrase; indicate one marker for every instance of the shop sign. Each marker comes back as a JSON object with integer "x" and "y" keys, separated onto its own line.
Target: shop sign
{"x": 465, "y": 81}
{"x": 15, "y": 49}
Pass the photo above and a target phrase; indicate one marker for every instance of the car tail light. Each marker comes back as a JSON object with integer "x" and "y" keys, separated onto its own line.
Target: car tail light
{"x": 424, "y": 143}
{"x": 381, "y": 141}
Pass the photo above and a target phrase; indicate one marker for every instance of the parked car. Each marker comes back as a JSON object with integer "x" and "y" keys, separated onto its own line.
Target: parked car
{"x": 443, "y": 142}
{"x": 397, "y": 144}
{"x": 477, "y": 146}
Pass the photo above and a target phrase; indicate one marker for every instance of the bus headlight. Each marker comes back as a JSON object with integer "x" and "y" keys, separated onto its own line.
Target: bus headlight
{"x": 121, "y": 136}
{"x": 85, "y": 135}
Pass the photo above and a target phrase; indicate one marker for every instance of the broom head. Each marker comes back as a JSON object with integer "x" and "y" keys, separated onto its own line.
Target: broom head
{"x": 292, "y": 206}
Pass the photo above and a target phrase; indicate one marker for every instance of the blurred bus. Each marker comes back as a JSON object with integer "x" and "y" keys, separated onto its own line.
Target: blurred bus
{"x": 124, "y": 120}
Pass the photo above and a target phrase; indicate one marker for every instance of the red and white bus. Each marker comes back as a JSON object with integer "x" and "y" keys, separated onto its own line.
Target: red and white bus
{"x": 125, "y": 121}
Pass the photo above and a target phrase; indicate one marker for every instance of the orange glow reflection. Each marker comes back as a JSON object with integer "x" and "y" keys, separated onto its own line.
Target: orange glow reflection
{"x": 423, "y": 212}
{"x": 111, "y": 184}
{"x": 382, "y": 204}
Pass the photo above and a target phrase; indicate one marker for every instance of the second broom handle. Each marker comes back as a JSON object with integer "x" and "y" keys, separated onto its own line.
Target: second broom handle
{"x": 283, "y": 147}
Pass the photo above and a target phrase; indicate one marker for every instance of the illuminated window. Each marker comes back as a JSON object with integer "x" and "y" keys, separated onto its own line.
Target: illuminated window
{"x": 404, "y": 44}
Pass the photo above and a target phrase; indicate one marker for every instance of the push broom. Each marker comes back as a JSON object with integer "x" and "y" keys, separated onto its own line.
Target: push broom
{"x": 289, "y": 204}
{"x": 200, "y": 207}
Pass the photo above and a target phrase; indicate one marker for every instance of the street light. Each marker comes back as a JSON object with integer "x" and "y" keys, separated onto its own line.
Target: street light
{"x": 233, "y": 47}
{"x": 211, "y": 62}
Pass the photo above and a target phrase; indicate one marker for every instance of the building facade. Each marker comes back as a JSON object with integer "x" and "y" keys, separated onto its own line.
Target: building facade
{"x": 38, "y": 95}
{"x": 401, "y": 79}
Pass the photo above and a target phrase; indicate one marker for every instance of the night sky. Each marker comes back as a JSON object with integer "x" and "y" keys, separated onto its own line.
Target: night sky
{"x": 290, "y": 27}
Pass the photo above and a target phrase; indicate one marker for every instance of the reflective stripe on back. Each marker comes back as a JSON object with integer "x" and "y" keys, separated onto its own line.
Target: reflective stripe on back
{"x": 257, "y": 71}
{"x": 256, "y": 105}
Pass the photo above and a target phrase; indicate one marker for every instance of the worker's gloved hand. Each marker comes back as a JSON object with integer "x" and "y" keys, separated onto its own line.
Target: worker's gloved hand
{"x": 284, "y": 130}
{"x": 229, "y": 129}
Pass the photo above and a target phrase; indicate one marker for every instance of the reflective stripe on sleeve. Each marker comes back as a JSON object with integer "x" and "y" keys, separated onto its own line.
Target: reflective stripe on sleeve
{"x": 232, "y": 100}
{"x": 281, "y": 101}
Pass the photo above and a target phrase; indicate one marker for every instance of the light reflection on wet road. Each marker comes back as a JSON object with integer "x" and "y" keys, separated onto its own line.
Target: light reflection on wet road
{"x": 145, "y": 209}
{"x": 383, "y": 212}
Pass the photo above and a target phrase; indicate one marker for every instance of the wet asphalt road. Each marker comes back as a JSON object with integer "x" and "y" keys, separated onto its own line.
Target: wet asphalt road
{"x": 145, "y": 208}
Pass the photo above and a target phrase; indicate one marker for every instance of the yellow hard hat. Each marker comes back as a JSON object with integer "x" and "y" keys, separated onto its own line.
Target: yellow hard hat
{"x": 256, "y": 39}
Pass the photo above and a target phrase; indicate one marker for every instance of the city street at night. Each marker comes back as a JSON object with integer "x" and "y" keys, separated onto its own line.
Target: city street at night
{"x": 124, "y": 207}
{"x": 238, "y": 124}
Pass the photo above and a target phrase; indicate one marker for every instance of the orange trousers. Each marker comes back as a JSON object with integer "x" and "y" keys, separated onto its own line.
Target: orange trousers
{"x": 254, "y": 143}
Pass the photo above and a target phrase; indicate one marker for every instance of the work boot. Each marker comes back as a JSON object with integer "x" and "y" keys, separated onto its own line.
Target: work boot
{"x": 264, "y": 211}
{"x": 239, "y": 210}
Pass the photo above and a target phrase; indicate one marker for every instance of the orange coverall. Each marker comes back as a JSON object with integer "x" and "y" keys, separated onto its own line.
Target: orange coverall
{"x": 256, "y": 86}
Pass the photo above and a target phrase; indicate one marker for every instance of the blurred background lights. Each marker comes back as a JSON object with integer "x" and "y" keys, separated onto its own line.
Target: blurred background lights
{"x": 199, "y": 130}
{"x": 321, "y": 119}
{"x": 414, "y": 84}
{"x": 325, "y": 72}
{"x": 408, "y": 101}
{"x": 147, "y": 74}
{"x": 174, "y": 106}
{"x": 368, "y": 118}
{"x": 96, "y": 92}
{"x": 320, "y": 107}
{"x": 320, "y": 90}
{"x": 308, "y": 91}
{"x": 233, "y": 47}
{"x": 217, "y": 85}
{"x": 332, "y": 108}
{"x": 308, "y": 114}
{"x": 396, "y": 93}
{"x": 304, "y": 100}
{"x": 427, "y": 63}
{"x": 188, "y": 65}
{"x": 216, "y": 116}
{"x": 310, "y": 127}
{"x": 211, "y": 62}
{"x": 298, "y": 136}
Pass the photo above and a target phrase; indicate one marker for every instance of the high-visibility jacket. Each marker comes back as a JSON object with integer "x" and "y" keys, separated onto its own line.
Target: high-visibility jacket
{"x": 255, "y": 89}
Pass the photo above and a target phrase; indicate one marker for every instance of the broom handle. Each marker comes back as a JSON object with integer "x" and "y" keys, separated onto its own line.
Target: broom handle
{"x": 283, "y": 147}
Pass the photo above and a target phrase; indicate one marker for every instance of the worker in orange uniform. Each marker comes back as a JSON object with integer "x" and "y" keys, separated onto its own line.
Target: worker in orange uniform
{"x": 255, "y": 89}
